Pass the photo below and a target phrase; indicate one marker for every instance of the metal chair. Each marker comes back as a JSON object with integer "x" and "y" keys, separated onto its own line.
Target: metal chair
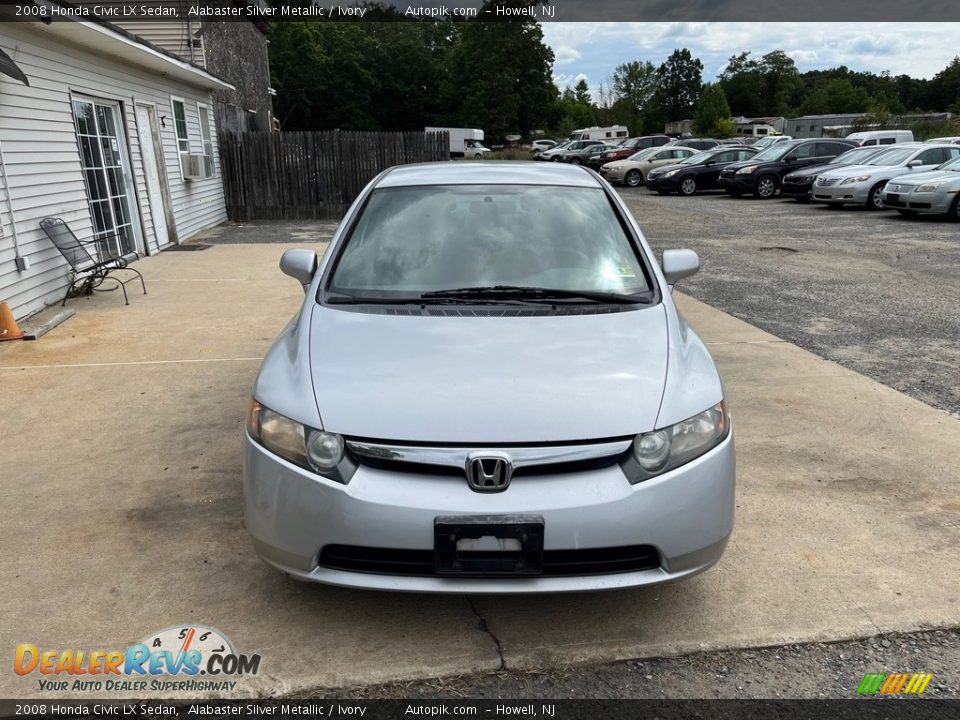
{"x": 89, "y": 271}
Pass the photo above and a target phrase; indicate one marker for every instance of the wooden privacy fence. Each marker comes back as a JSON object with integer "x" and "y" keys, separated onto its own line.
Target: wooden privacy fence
{"x": 313, "y": 175}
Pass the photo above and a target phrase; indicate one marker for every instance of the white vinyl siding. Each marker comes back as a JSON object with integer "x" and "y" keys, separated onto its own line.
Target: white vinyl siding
{"x": 43, "y": 162}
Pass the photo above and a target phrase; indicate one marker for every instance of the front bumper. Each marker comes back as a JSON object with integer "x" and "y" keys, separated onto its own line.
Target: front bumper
{"x": 612, "y": 174}
{"x": 686, "y": 515}
{"x": 800, "y": 189}
{"x": 660, "y": 182}
{"x": 841, "y": 194}
{"x": 734, "y": 183}
{"x": 928, "y": 203}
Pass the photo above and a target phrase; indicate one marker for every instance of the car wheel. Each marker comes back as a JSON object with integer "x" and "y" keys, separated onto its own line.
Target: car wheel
{"x": 688, "y": 186}
{"x": 908, "y": 213}
{"x": 575, "y": 161}
{"x": 765, "y": 187}
{"x": 875, "y": 198}
{"x": 633, "y": 178}
{"x": 478, "y": 156}
{"x": 955, "y": 209}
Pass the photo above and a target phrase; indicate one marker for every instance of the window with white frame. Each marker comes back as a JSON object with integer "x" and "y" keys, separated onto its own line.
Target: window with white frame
{"x": 204, "y": 113}
{"x": 183, "y": 138}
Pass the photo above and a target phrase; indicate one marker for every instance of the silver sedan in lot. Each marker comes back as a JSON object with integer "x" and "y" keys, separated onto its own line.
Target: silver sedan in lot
{"x": 931, "y": 193}
{"x": 863, "y": 184}
{"x": 489, "y": 389}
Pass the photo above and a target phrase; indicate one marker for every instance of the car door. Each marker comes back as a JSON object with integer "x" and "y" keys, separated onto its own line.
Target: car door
{"x": 710, "y": 174}
{"x": 663, "y": 157}
{"x": 802, "y": 155}
{"x": 929, "y": 159}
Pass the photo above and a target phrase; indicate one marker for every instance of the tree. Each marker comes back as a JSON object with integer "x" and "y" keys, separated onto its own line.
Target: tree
{"x": 634, "y": 83}
{"x": 581, "y": 93}
{"x": 499, "y": 75}
{"x": 713, "y": 113}
{"x": 780, "y": 79}
{"x": 679, "y": 83}
{"x": 742, "y": 85}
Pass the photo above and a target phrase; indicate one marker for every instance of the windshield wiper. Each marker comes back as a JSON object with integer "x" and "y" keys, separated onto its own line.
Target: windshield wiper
{"x": 342, "y": 299}
{"x": 536, "y": 294}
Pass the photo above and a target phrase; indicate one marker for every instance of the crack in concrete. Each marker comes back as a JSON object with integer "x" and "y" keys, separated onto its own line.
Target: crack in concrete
{"x": 486, "y": 628}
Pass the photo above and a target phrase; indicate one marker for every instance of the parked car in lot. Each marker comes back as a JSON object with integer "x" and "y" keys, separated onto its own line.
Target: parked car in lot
{"x": 949, "y": 140}
{"x": 769, "y": 140}
{"x": 928, "y": 193}
{"x": 633, "y": 146}
{"x": 562, "y": 153}
{"x": 542, "y": 144}
{"x": 523, "y": 412}
{"x": 545, "y": 154}
{"x": 633, "y": 170}
{"x": 697, "y": 172}
{"x": 585, "y": 154}
{"x": 863, "y": 184}
{"x": 799, "y": 184}
{"x": 762, "y": 174}
{"x": 595, "y": 155}
{"x": 695, "y": 143}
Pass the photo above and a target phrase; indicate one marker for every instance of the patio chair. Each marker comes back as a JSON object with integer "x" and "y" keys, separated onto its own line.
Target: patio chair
{"x": 89, "y": 271}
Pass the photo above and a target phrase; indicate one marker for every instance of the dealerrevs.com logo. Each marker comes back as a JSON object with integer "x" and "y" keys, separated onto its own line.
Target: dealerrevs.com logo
{"x": 187, "y": 658}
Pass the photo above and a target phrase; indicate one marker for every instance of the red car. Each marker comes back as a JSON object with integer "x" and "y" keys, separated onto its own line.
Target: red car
{"x": 633, "y": 145}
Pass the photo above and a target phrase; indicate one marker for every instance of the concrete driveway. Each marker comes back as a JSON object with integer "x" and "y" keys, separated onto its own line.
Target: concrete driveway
{"x": 122, "y": 508}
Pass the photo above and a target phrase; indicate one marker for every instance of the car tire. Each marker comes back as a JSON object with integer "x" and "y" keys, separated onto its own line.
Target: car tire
{"x": 874, "y": 199}
{"x": 955, "y": 209}
{"x": 633, "y": 178}
{"x": 688, "y": 186}
{"x": 575, "y": 161}
{"x": 765, "y": 187}
{"x": 478, "y": 156}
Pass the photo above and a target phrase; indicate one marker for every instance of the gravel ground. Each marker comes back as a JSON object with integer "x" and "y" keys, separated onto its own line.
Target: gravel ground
{"x": 794, "y": 671}
{"x": 875, "y": 292}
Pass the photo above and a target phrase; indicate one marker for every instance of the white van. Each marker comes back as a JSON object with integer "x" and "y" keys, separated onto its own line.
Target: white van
{"x": 881, "y": 137}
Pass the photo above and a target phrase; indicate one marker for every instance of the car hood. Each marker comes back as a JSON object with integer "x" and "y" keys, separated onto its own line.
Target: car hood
{"x": 458, "y": 379}
{"x": 667, "y": 168}
{"x": 815, "y": 170}
{"x": 932, "y": 176}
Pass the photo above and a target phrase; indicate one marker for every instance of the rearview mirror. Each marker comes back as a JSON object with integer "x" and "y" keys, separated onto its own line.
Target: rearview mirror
{"x": 300, "y": 265}
{"x": 678, "y": 264}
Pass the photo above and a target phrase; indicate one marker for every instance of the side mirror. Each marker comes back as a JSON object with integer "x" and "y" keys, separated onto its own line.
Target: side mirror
{"x": 916, "y": 162}
{"x": 300, "y": 265}
{"x": 678, "y": 264}
{"x": 789, "y": 159}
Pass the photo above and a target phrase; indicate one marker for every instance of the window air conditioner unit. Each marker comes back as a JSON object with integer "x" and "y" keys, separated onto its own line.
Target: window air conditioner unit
{"x": 194, "y": 167}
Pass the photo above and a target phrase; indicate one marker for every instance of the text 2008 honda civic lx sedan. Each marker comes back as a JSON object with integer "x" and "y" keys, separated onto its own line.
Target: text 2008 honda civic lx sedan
{"x": 489, "y": 389}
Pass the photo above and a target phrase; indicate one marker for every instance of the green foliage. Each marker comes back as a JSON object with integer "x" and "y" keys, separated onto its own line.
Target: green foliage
{"x": 679, "y": 83}
{"x": 713, "y": 113}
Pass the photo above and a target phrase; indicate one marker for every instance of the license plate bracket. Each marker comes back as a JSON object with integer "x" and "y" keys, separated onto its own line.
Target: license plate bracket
{"x": 451, "y": 559}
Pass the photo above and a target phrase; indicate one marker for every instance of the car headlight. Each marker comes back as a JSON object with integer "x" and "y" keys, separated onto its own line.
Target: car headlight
{"x": 657, "y": 452}
{"x": 928, "y": 188}
{"x": 854, "y": 180}
{"x": 747, "y": 170}
{"x": 318, "y": 451}
{"x": 669, "y": 173}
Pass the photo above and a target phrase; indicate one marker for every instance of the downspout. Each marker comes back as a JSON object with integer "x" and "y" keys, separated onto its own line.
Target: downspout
{"x": 13, "y": 222}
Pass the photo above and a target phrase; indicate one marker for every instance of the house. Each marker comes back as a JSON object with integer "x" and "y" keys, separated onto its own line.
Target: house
{"x": 759, "y": 126}
{"x": 814, "y": 126}
{"x": 234, "y": 51}
{"x": 678, "y": 128}
{"x": 112, "y": 134}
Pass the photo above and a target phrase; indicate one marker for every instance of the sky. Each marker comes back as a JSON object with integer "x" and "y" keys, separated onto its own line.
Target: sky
{"x": 593, "y": 50}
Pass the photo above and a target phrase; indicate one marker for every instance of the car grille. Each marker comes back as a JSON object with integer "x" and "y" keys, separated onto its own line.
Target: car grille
{"x": 827, "y": 182}
{"x": 390, "y": 561}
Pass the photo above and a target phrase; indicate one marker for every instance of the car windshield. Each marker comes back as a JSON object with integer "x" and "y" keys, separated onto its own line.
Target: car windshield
{"x": 892, "y": 157}
{"x": 414, "y": 240}
{"x": 951, "y": 165}
{"x": 855, "y": 156}
{"x": 644, "y": 154}
{"x": 774, "y": 152}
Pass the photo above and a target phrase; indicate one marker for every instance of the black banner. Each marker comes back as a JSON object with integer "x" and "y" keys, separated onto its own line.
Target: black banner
{"x": 853, "y": 709}
{"x": 502, "y": 10}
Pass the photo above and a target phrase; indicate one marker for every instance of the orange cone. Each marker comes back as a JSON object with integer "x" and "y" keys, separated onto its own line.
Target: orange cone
{"x": 9, "y": 330}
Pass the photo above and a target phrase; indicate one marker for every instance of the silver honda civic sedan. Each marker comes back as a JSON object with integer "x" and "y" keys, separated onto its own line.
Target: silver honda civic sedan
{"x": 489, "y": 389}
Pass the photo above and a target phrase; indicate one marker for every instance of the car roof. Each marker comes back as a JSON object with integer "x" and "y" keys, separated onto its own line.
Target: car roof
{"x": 486, "y": 172}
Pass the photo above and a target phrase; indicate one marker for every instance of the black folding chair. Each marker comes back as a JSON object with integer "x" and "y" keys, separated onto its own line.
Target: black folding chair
{"x": 89, "y": 271}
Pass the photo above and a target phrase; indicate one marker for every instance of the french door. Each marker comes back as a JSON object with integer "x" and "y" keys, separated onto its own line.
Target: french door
{"x": 106, "y": 172}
